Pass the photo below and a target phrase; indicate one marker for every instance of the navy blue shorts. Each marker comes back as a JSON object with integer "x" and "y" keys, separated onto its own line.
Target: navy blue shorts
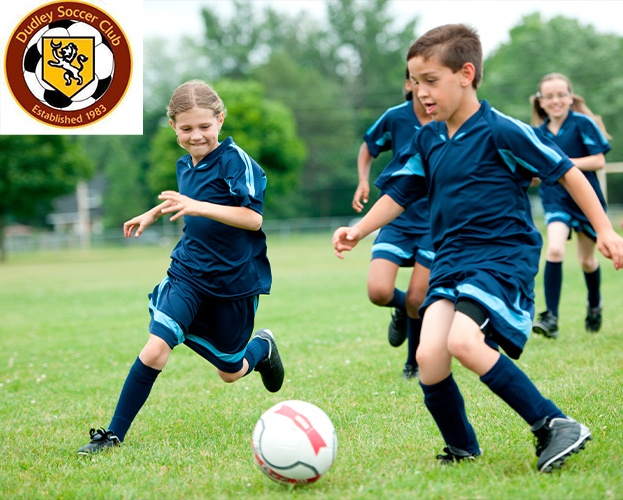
{"x": 573, "y": 223}
{"x": 403, "y": 248}
{"x": 510, "y": 312}
{"x": 216, "y": 329}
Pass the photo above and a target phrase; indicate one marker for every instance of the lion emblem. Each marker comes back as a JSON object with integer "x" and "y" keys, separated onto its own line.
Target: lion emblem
{"x": 65, "y": 57}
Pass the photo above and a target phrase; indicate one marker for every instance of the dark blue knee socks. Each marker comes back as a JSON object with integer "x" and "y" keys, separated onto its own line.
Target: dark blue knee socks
{"x": 257, "y": 350}
{"x": 445, "y": 403}
{"x": 398, "y": 300}
{"x": 514, "y": 387}
{"x": 414, "y": 327}
{"x": 552, "y": 277}
{"x": 593, "y": 283}
{"x": 135, "y": 391}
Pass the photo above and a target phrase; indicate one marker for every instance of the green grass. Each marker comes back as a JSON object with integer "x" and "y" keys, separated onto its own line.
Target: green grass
{"x": 72, "y": 323}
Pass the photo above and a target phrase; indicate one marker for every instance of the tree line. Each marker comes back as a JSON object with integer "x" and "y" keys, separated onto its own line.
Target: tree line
{"x": 300, "y": 93}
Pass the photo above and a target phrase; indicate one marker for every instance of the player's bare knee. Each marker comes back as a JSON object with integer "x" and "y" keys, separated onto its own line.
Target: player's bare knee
{"x": 459, "y": 348}
{"x": 589, "y": 263}
{"x": 155, "y": 354}
{"x": 555, "y": 253}
{"x": 379, "y": 296}
{"x": 427, "y": 357}
{"x": 414, "y": 301}
{"x": 228, "y": 378}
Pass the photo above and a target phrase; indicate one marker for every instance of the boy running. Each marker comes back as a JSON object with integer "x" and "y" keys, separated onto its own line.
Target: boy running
{"x": 476, "y": 165}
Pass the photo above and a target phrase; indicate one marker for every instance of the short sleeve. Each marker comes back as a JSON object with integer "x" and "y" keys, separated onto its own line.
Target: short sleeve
{"x": 245, "y": 178}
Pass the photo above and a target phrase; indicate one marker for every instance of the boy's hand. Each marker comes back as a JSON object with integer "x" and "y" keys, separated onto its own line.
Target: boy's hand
{"x": 345, "y": 239}
{"x": 610, "y": 244}
{"x": 362, "y": 193}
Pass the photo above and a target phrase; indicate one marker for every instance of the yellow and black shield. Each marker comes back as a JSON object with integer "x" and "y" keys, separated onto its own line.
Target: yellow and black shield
{"x": 68, "y": 63}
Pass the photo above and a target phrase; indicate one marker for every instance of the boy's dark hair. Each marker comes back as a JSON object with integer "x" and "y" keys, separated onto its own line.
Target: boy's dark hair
{"x": 453, "y": 45}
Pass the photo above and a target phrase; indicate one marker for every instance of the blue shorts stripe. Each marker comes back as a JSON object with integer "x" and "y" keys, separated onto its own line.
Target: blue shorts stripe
{"x": 235, "y": 357}
{"x": 558, "y": 217}
{"x": 392, "y": 249}
{"x": 167, "y": 322}
{"x": 516, "y": 318}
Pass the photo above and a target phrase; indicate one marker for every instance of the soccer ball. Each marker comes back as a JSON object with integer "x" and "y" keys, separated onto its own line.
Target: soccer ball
{"x": 294, "y": 442}
{"x": 103, "y": 67}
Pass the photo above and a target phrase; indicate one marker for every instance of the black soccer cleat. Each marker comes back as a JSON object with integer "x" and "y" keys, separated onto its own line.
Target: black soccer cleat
{"x": 397, "y": 331}
{"x": 453, "y": 455}
{"x": 546, "y": 325}
{"x": 556, "y": 440}
{"x": 101, "y": 439}
{"x": 410, "y": 371}
{"x": 271, "y": 368}
{"x": 593, "y": 318}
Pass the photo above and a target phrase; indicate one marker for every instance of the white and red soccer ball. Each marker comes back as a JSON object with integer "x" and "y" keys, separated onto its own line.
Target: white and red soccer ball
{"x": 294, "y": 442}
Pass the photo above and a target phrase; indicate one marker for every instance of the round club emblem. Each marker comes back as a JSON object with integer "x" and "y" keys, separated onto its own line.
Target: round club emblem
{"x": 68, "y": 64}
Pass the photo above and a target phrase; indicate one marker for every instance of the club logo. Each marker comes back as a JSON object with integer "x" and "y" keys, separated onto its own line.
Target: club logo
{"x": 68, "y": 64}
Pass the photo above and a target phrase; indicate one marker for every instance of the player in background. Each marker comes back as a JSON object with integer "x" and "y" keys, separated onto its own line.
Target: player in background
{"x": 218, "y": 269}
{"x": 404, "y": 242}
{"x": 565, "y": 118}
{"x": 476, "y": 165}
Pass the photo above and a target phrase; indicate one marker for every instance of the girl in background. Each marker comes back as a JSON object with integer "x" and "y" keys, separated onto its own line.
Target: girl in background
{"x": 566, "y": 119}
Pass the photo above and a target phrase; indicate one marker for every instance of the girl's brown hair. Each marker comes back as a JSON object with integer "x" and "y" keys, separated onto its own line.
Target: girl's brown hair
{"x": 194, "y": 93}
{"x": 578, "y": 105}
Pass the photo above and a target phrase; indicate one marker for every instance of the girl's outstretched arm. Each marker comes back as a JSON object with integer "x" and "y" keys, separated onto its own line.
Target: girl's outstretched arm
{"x": 143, "y": 221}
{"x": 240, "y": 217}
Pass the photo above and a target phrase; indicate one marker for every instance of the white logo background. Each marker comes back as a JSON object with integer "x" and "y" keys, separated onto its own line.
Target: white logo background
{"x": 125, "y": 119}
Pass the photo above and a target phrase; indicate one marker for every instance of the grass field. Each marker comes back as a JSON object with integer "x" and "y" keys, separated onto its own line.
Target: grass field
{"x": 72, "y": 323}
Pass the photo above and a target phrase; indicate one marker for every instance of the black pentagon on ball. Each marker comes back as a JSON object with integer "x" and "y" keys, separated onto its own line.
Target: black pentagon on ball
{"x": 102, "y": 87}
{"x": 56, "y": 99}
{"x": 31, "y": 59}
{"x": 65, "y": 23}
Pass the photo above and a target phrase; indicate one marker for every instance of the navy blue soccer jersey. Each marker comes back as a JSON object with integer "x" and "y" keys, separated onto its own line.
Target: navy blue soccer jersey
{"x": 579, "y": 136}
{"x": 215, "y": 258}
{"x": 392, "y": 131}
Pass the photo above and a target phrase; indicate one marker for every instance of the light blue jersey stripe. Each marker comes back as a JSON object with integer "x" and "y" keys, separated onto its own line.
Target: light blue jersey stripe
{"x": 412, "y": 167}
{"x": 248, "y": 169}
{"x": 529, "y": 132}
{"x": 385, "y": 138}
{"x": 382, "y": 117}
{"x": 602, "y": 137}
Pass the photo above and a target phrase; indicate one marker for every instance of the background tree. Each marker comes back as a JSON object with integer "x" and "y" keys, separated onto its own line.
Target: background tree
{"x": 33, "y": 171}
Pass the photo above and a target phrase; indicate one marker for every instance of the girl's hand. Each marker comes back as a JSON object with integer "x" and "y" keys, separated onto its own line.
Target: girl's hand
{"x": 345, "y": 239}
{"x": 181, "y": 204}
{"x": 138, "y": 223}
